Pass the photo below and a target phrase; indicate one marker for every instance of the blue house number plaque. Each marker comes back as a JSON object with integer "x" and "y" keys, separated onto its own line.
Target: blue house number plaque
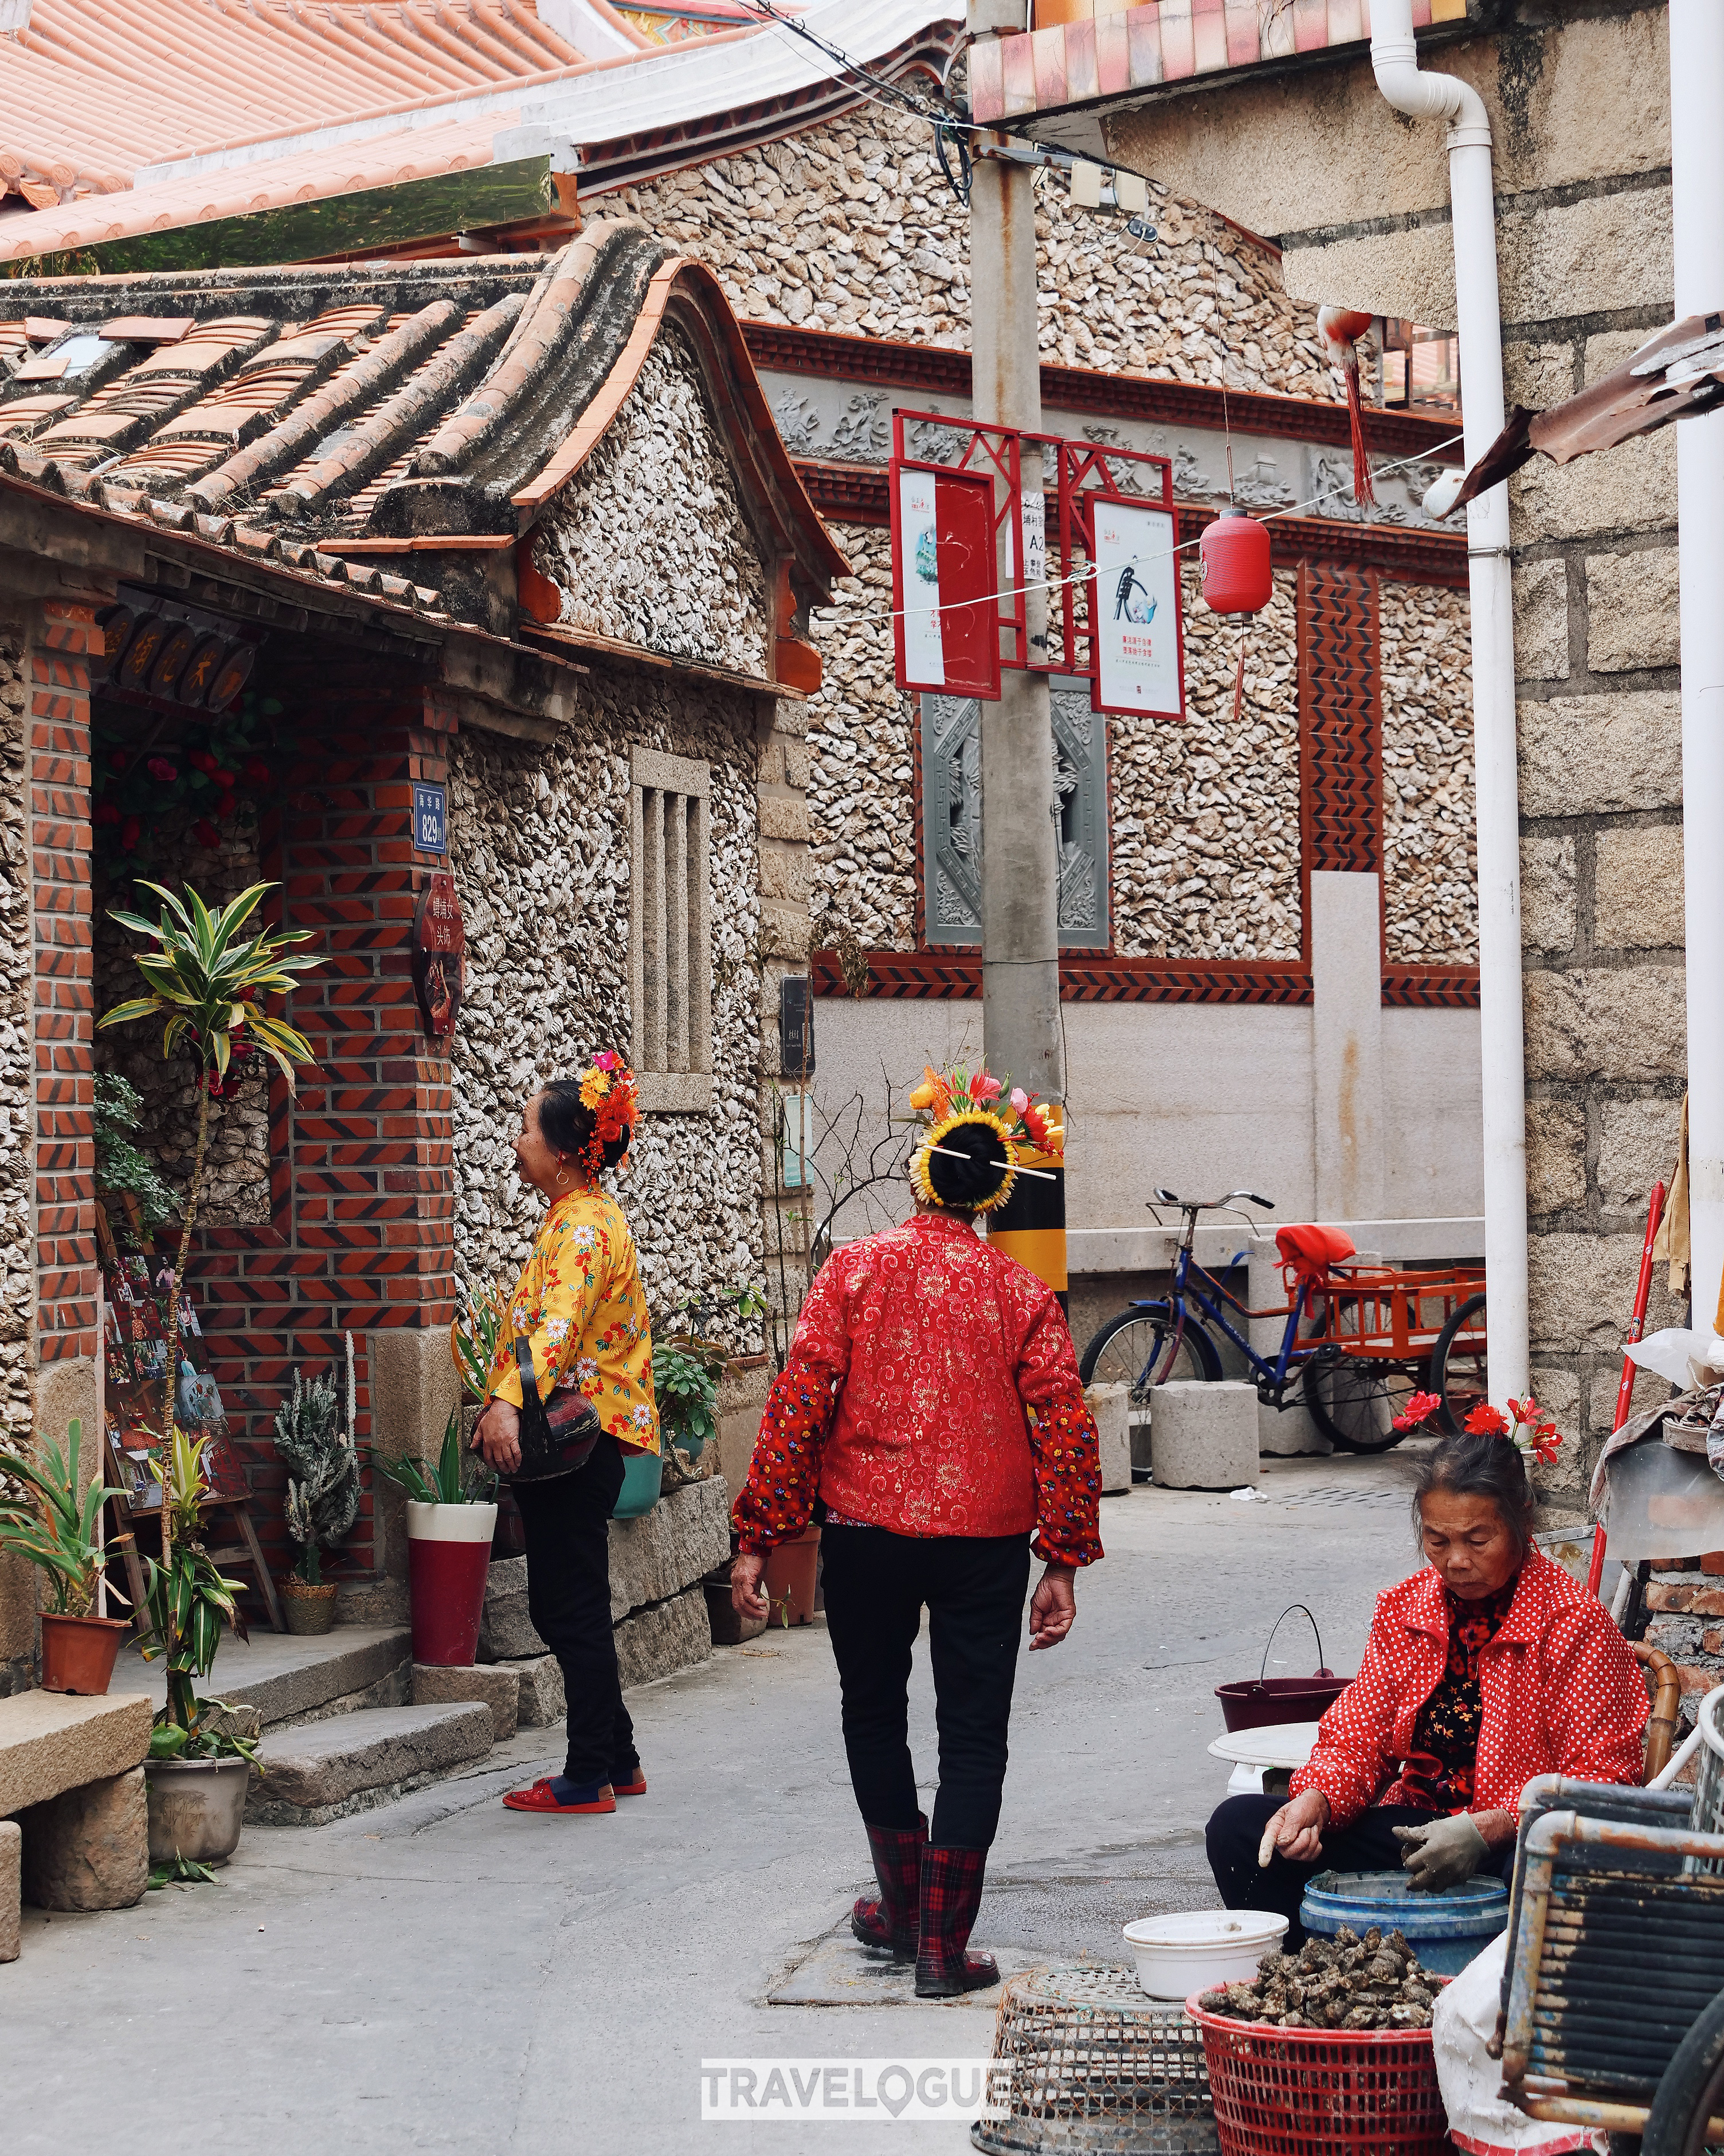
{"x": 430, "y": 819}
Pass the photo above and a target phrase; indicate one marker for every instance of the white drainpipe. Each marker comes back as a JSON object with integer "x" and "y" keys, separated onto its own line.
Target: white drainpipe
{"x": 1698, "y": 190}
{"x": 1426, "y": 97}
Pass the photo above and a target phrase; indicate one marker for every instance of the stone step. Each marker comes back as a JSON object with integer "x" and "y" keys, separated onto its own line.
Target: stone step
{"x": 351, "y": 1763}
{"x": 289, "y": 1680}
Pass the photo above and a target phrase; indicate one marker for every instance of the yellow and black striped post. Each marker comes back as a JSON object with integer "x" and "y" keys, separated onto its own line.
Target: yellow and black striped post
{"x": 1031, "y": 1226}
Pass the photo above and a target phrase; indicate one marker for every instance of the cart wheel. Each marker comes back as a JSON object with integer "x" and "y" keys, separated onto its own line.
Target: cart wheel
{"x": 1354, "y": 1399}
{"x": 1131, "y": 1349}
{"x": 1459, "y": 1376}
{"x": 1691, "y": 2093}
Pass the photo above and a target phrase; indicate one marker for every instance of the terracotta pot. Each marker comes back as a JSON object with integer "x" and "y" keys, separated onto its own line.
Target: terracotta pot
{"x": 789, "y": 1578}
{"x": 729, "y": 1629}
{"x": 449, "y": 1554}
{"x": 197, "y": 1808}
{"x": 78, "y": 1653}
{"x": 307, "y": 1609}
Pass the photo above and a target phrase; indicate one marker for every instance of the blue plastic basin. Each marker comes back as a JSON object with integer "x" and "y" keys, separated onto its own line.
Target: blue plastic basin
{"x": 1446, "y": 1930}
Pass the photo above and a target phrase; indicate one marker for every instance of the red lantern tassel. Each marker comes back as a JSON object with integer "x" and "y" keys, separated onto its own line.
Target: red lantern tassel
{"x": 1341, "y": 329}
{"x": 1364, "y": 490}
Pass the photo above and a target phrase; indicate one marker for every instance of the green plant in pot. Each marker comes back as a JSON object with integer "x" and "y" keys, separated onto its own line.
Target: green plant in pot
{"x": 55, "y": 1522}
{"x": 201, "y": 1751}
{"x": 686, "y": 1368}
{"x": 322, "y": 1462}
{"x": 450, "y": 1520}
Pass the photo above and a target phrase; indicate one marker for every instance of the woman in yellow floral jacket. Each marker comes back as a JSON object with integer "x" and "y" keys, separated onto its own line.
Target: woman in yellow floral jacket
{"x": 580, "y": 1305}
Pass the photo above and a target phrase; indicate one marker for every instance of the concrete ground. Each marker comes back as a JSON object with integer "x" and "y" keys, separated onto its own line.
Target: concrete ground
{"x": 445, "y": 1976}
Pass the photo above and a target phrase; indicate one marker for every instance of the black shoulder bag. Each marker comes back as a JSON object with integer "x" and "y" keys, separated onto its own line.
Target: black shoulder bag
{"x": 557, "y": 1437}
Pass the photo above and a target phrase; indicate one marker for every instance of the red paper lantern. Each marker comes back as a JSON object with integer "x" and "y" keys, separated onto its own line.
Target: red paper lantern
{"x": 1234, "y": 553}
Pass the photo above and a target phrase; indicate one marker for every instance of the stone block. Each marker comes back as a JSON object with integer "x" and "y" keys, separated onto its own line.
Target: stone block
{"x": 12, "y": 1846}
{"x": 1637, "y": 1148}
{"x": 1629, "y": 1024}
{"x": 686, "y": 1534}
{"x": 670, "y": 1636}
{"x": 1111, "y": 1407}
{"x": 1204, "y": 1436}
{"x": 542, "y": 1699}
{"x": 785, "y": 819}
{"x": 324, "y": 1768}
{"x": 1638, "y": 889}
{"x": 1580, "y": 1287}
{"x": 506, "y": 1631}
{"x": 1615, "y": 249}
{"x": 1556, "y": 1156}
{"x": 495, "y": 1683}
{"x": 1548, "y": 918}
{"x": 51, "y": 1740}
{"x": 785, "y": 875}
{"x": 89, "y": 1847}
{"x": 1537, "y": 375}
{"x": 1632, "y": 489}
{"x": 1632, "y": 611}
{"x": 1599, "y": 755}
{"x": 1542, "y": 621}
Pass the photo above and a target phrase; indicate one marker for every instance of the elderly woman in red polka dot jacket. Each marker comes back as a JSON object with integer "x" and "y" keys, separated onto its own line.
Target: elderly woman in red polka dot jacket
{"x": 1487, "y": 1668}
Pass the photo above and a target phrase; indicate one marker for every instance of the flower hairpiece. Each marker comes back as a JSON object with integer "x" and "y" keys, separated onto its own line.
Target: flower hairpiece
{"x": 1038, "y": 1126}
{"x": 1532, "y": 1433}
{"x": 609, "y": 1094}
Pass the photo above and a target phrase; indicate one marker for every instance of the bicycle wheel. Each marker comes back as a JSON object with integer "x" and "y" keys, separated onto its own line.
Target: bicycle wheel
{"x": 1691, "y": 2093}
{"x": 1354, "y": 1399}
{"x": 1134, "y": 1349}
{"x": 1459, "y": 1375}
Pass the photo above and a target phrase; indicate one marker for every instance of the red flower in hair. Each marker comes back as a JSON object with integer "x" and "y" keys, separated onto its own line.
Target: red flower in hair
{"x": 1486, "y": 1421}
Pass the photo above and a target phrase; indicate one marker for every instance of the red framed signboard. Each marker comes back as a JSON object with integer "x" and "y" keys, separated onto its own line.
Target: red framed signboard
{"x": 1118, "y": 506}
{"x": 956, "y": 536}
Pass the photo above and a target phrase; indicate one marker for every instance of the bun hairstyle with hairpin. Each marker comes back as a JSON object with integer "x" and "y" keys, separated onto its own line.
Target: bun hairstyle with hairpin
{"x": 975, "y": 1137}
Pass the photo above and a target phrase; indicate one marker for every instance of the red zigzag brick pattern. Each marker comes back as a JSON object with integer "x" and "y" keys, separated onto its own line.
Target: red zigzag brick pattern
{"x": 1339, "y": 719}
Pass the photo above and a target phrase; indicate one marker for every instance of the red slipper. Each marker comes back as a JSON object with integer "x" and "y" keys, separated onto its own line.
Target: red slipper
{"x": 635, "y": 1786}
{"x": 540, "y": 1798}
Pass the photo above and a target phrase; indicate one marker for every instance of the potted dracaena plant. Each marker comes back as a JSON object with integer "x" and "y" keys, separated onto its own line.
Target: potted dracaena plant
{"x": 317, "y": 1447}
{"x": 450, "y": 1520}
{"x": 206, "y": 982}
{"x": 199, "y": 1764}
{"x": 56, "y": 1523}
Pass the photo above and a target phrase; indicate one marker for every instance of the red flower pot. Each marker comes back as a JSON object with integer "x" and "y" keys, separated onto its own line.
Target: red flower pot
{"x": 78, "y": 1653}
{"x": 789, "y": 1579}
{"x": 448, "y": 1553}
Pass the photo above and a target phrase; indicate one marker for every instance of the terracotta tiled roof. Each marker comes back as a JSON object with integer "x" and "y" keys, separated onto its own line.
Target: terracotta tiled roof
{"x": 429, "y": 411}
{"x": 1082, "y": 51}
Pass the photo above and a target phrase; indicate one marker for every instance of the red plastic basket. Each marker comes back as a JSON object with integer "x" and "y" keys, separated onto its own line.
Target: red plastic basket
{"x": 1322, "y": 2091}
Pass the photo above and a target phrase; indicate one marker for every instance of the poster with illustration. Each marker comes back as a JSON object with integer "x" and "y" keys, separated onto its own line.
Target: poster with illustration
{"x": 1135, "y": 609}
{"x": 136, "y": 1290}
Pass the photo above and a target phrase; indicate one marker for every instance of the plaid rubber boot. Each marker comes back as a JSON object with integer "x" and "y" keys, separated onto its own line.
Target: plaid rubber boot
{"x": 951, "y": 1895}
{"x": 888, "y": 1925}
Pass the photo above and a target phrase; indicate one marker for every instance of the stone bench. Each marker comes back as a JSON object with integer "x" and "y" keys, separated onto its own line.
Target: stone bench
{"x": 73, "y": 1827}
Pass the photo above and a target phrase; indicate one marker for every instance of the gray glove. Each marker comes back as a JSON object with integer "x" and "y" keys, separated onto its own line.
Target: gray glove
{"x": 1437, "y": 1855}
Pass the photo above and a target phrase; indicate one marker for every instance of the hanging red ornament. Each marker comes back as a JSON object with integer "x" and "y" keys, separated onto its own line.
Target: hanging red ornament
{"x": 1232, "y": 559}
{"x": 1341, "y": 329}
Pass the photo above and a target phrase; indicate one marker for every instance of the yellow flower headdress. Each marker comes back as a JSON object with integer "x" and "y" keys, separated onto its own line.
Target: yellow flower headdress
{"x": 970, "y": 1113}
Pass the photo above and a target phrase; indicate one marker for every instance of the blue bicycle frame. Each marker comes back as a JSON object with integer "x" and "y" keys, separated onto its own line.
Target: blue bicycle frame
{"x": 1213, "y": 1300}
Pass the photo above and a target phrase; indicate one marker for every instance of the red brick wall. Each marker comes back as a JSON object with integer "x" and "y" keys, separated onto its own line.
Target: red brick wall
{"x": 63, "y": 990}
{"x": 361, "y": 1234}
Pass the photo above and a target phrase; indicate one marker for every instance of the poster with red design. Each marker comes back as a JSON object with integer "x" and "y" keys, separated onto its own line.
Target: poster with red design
{"x": 945, "y": 581}
{"x": 136, "y": 1293}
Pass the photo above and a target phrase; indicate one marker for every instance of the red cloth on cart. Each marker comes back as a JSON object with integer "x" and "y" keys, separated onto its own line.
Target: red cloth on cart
{"x": 1560, "y": 1691}
{"x": 1308, "y": 1248}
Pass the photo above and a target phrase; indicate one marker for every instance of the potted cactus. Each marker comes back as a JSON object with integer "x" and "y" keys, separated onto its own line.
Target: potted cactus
{"x": 322, "y": 1463}
{"x": 57, "y": 1524}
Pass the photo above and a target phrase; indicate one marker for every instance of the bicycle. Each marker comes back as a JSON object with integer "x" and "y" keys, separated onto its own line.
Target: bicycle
{"x": 1357, "y": 1342}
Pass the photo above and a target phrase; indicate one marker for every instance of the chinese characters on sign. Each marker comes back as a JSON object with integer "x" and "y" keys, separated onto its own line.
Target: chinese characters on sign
{"x": 430, "y": 819}
{"x": 439, "y": 946}
{"x": 1135, "y": 607}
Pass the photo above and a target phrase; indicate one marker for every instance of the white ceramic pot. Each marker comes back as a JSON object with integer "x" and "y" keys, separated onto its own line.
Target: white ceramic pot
{"x": 1178, "y": 1955}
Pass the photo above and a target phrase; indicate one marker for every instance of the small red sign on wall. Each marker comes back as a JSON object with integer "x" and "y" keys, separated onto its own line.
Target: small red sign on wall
{"x": 945, "y": 581}
{"x": 439, "y": 949}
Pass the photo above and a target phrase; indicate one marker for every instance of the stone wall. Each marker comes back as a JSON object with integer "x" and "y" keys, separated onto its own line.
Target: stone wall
{"x": 1430, "y": 840}
{"x": 16, "y": 1123}
{"x": 540, "y": 847}
{"x": 848, "y": 226}
{"x": 650, "y": 541}
{"x": 1206, "y": 812}
{"x": 236, "y": 1179}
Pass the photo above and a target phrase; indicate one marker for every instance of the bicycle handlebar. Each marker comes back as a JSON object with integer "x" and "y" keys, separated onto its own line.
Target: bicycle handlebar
{"x": 1211, "y": 1204}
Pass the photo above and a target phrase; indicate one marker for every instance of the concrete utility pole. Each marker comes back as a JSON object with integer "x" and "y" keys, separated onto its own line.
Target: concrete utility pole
{"x": 1020, "y": 866}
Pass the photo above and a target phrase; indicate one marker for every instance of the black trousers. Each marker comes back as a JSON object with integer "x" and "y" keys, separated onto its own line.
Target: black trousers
{"x": 1369, "y": 1844}
{"x": 877, "y": 1583}
{"x": 568, "y": 1597}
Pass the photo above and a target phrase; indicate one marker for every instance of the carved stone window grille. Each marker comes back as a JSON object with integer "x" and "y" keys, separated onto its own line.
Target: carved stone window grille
{"x": 951, "y": 817}
{"x": 670, "y": 930}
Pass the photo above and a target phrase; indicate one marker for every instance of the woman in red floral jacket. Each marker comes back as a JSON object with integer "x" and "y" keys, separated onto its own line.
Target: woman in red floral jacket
{"x": 932, "y": 1412}
{"x": 1487, "y": 1668}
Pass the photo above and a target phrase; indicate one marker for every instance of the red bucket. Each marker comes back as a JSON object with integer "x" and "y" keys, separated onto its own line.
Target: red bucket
{"x": 1261, "y": 1702}
{"x": 449, "y": 1554}
{"x": 1321, "y": 2092}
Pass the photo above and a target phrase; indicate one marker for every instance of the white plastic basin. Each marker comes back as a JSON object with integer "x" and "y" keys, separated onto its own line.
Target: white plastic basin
{"x": 1178, "y": 1955}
